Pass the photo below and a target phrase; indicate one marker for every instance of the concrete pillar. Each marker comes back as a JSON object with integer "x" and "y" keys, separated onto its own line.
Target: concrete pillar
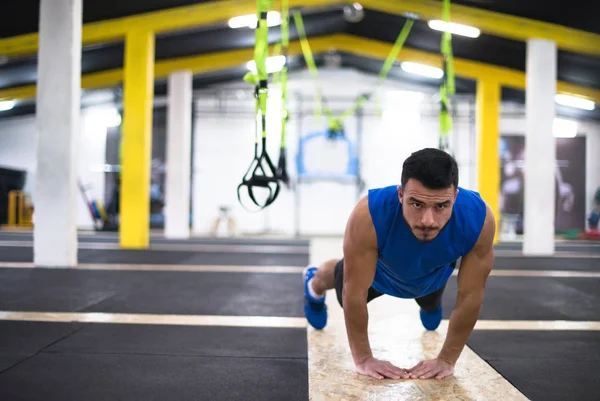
{"x": 179, "y": 148}
{"x": 57, "y": 122}
{"x": 540, "y": 154}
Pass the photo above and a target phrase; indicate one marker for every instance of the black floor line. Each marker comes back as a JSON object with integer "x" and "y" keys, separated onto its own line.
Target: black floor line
{"x": 42, "y": 350}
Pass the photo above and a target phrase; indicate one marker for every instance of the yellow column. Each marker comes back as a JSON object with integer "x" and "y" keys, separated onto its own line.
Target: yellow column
{"x": 488, "y": 138}
{"x": 137, "y": 139}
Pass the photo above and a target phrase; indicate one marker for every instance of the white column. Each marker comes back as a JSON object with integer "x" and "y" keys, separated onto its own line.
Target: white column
{"x": 540, "y": 154}
{"x": 57, "y": 122}
{"x": 179, "y": 148}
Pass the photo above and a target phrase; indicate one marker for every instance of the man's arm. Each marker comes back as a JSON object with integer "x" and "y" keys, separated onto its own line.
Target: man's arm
{"x": 360, "y": 261}
{"x": 472, "y": 278}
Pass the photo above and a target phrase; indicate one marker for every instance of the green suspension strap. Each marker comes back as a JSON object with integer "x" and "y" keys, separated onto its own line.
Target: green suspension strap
{"x": 310, "y": 63}
{"x": 258, "y": 175}
{"x": 335, "y": 125}
{"x": 283, "y": 76}
{"x": 447, "y": 88}
{"x": 391, "y": 58}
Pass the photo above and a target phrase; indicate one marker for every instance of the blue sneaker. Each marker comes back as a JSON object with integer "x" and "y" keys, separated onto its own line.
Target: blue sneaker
{"x": 431, "y": 320}
{"x": 315, "y": 310}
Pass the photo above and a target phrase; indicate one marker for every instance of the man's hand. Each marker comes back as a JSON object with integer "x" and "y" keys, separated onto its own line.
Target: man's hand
{"x": 432, "y": 368}
{"x": 381, "y": 369}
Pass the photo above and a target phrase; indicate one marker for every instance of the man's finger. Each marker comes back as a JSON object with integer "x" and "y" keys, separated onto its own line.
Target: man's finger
{"x": 395, "y": 369}
{"x": 375, "y": 374}
{"x": 414, "y": 367}
{"x": 419, "y": 372}
{"x": 441, "y": 375}
{"x": 428, "y": 374}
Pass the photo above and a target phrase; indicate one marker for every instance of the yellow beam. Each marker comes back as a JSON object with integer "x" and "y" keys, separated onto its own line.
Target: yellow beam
{"x": 169, "y": 20}
{"x": 214, "y": 12}
{"x": 347, "y": 43}
{"x": 488, "y": 136}
{"x": 503, "y": 25}
{"x": 463, "y": 68}
{"x": 134, "y": 224}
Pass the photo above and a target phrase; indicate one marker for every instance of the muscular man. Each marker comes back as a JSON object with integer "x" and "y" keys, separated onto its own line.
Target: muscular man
{"x": 404, "y": 241}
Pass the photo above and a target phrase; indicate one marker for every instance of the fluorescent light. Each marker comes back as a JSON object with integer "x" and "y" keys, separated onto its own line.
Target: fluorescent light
{"x": 457, "y": 29}
{"x": 562, "y": 128}
{"x": 574, "y": 101}
{"x": 250, "y": 20}
{"x": 7, "y": 105}
{"x": 422, "y": 69}
{"x": 274, "y": 64}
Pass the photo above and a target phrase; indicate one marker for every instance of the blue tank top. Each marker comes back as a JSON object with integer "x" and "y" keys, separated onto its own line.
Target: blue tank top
{"x": 409, "y": 268}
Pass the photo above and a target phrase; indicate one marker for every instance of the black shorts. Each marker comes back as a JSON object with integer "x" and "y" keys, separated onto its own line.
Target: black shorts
{"x": 429, "y": 302}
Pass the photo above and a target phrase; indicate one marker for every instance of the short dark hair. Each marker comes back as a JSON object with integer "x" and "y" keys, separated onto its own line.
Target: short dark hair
{"x": 433, "y": 168}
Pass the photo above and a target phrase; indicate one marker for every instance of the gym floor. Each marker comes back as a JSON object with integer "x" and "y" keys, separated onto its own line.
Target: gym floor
{"x": 221, "y": 319}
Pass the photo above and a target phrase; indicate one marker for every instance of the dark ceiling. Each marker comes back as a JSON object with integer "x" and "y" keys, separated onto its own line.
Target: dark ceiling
{"x": 574, "y": 68}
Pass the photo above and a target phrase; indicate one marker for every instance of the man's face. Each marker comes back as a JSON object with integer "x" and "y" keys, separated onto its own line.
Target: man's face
{"x": 425, "y": 210}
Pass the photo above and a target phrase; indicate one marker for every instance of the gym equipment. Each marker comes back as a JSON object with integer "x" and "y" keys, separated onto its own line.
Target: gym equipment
{"x": 95, "y": 207}
{"x": 261, "y": 173}
{"x": 448, "y": 87}
{"x": 351, "y": 170}
{"x": 20, "y": 210}
{"x": 283, "y": 77}
{"x": 335, "y": 124}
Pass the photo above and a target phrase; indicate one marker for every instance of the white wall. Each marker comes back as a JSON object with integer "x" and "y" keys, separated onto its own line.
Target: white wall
{"x": 18, "y": 144}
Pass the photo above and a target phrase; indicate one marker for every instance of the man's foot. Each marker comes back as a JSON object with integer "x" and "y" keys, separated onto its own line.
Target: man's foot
{"x": 431, "y": 320}
{"x": 315, "y": 309}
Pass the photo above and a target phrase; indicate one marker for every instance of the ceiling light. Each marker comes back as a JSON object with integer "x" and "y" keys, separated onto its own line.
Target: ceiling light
{"x": 422, "y": 69}
{"x": 274, "y": 64}
{"x": 249, "y": 21}
{"x": 562, "y": 128}
{"x": 574, "y": 101}
{"x": 457, "y": 29}
{"x": 7, "y": 105}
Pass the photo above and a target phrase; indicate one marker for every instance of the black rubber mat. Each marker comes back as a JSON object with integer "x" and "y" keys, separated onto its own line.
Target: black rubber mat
{"x": 25, "y": 254}
{"x": 9, "y": 360}
{"x": 583, "y": 346}
{"x": 114, "y": 238}
{"x": 21, "y": 340}
{"x": 30, "y": 337}
{"x": 571, "y": 246}
{"x": 547, "y": 263}
{"x": 103, "y": 377}
{"x": 544, "y": 365}
{"x": 534, "y": 298}
{"x": 206, "y": 293}
{"x": 208, "y": 341}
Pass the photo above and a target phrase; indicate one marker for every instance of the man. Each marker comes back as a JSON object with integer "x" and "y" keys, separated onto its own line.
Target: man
{"x": 404, "y": 241}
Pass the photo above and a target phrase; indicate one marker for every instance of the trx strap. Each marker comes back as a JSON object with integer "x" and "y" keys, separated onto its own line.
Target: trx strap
{"x": 285, "y": 42}
{"x": 258, "y": 175}
{"x": 447, "y": 88}
{"x": 335, "y": 125}
{"x": 392, "y": 56}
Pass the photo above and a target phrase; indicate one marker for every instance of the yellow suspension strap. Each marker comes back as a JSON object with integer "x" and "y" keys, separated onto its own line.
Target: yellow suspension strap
{"x": 258, "y": 175}
{"x": 447, "y": 88}
{"x": 285, "y": 42}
